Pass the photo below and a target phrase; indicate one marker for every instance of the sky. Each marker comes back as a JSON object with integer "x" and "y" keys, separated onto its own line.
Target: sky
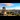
{"x": 10, "y": 5}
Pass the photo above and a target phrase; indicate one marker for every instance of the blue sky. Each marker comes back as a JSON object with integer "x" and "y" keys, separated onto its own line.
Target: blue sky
{"x": 16, "y": 6}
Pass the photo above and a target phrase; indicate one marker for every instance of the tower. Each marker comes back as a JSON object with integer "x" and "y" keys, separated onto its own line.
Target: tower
{"x": 3, "y": 10}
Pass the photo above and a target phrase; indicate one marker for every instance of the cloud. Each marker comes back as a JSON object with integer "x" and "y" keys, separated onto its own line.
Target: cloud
{"x": 8, "y": 4}
{"x": 2, "y": 4}
{"x": 17, "y": 7}
{"x": 9, "y": 8}
{"x": 1, "y": 8}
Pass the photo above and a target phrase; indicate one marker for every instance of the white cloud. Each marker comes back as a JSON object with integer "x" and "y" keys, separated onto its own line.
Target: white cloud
{"x": 8, "y": 4}
{"x": 17, "y": 8}
{"x": 1, "y": 8}
{"x": 9, "y": 8}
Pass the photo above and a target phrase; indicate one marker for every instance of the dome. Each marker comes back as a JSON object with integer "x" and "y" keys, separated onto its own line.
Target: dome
{"x": 3, "y": 7}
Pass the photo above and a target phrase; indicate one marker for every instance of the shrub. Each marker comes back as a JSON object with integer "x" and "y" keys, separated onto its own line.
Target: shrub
{"x": 17, "y": 15}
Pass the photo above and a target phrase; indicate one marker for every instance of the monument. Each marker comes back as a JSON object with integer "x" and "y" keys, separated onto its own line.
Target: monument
{"x": 3, "y": 11}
